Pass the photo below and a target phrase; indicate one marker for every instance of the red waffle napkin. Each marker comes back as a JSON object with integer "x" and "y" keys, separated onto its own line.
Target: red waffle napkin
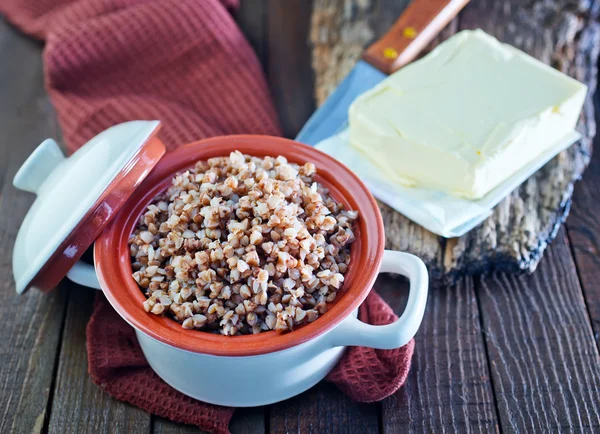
{"x": 186, "y": 63}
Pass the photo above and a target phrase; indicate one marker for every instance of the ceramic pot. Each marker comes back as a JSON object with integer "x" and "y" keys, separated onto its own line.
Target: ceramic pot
{"x": 260, "y": 369}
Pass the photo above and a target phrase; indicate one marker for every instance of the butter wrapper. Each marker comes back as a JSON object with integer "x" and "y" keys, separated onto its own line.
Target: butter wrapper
{"x": 438, "y": 212}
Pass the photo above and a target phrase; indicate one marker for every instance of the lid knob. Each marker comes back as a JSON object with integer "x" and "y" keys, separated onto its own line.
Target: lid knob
{"x": 38, "y": 166}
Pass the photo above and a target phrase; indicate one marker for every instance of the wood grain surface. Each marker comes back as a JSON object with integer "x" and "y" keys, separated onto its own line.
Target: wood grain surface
{"x": 323, "y": 409}
{"x": 448, "y": 387}
{"x": 544, "y": 363}
{"x": 31, "y": 326}
{"x": 77, "y": 400}
{"x": 503, "y": 354}
{"x": 583, "y": 227}
{"x": 279, "y": 35}
{"x": 563, "y": 33}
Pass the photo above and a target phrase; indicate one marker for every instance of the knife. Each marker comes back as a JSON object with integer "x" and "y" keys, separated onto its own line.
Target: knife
{"x": 417, "y": 26}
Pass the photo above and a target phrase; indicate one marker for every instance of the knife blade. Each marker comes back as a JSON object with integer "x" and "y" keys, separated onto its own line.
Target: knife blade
{"x": 417, "y": 26}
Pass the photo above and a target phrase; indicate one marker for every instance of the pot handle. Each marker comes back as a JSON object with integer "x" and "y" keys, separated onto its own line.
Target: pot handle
{"x": 353, "y": 332}
{"x": 84, "y": 274}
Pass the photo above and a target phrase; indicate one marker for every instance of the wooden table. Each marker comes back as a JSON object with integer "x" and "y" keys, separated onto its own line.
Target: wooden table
{"x": 501, "y": 354}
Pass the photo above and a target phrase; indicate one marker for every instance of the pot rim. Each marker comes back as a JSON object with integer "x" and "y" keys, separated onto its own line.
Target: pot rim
{"x": 121, "y": 290}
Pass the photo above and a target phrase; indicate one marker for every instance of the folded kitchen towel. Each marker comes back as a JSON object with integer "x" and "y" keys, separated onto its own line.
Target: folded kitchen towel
{"x": 186, "y": 63}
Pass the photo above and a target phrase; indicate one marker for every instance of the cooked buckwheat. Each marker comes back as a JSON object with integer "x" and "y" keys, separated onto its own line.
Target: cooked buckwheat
{"x": 241, "y": 245}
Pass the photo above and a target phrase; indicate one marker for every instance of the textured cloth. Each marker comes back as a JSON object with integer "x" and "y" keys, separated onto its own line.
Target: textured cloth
{"x": 186, "y": 63}
{"x": 366, "y": 374}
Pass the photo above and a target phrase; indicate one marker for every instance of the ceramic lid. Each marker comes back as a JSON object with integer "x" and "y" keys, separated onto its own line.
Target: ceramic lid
{"x": 76, "y": 198}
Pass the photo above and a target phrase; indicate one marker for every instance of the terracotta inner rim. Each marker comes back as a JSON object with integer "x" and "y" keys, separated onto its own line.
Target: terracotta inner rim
{"x": 113, "y": 263}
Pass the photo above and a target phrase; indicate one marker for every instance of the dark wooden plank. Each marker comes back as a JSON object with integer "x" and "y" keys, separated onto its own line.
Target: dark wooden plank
{"x": 323, "y": 409}
{"x": 288, "y": 67}
{"x": 583, "y": 227}
{"x": 165, "y": 426}
{"x": 248, "y": 421}
{"x": 30, "y": 325}
{"x": 545, "y": 365}
{"x": 244, "y": 421}
{"x": 79, "y": 406}
{"x": 252, "y": 19}
{"x": 448, "y": 388}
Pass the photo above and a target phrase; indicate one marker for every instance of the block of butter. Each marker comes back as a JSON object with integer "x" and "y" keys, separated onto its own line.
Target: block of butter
{"x": 466, "y": 117}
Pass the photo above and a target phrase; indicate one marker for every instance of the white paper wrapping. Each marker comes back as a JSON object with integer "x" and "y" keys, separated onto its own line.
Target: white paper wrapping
{"x": 438, "y": 212}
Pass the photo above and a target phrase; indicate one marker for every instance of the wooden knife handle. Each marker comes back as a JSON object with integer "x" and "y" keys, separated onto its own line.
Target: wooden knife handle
{"x": 417, "y": 26}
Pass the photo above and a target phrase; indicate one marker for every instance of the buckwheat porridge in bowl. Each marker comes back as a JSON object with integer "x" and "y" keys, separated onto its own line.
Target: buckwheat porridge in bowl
{"x": 241, "y": 245}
